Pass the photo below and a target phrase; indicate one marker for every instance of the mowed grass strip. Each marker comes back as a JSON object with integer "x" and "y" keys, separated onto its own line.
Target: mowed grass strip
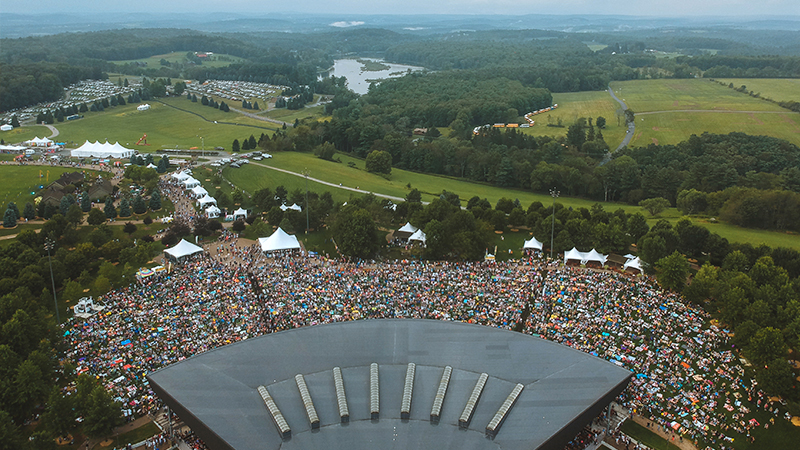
{"x": 689, "y": 94}
{"x": 21, "y": 183}
{"x": 25, "y": 133}
{"x": 165, "y": 127}
{"x": 778, "y": 89}
{"x": 574, "y": 105}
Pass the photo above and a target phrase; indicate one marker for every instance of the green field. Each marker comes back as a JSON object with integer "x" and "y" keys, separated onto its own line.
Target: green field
{"x": 165, "y": 127}
{"x": 20, "y": 183}
{"x": 154, "y": 62}
{"x": 781, "y": 89}
{"x": 573, "y": 105}
{"x": 21, "y": 134}
{"x": 664, "y": 111}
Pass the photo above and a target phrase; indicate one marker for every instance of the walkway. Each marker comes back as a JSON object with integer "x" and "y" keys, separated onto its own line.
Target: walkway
{"x": 257, "y": 117}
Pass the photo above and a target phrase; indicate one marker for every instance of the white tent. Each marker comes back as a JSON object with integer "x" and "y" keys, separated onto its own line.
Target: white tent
{"x": 12, "y": 148}
{"x": 40, "y": 142}
{"x": 279, "y": 241}
{"x": 294, "y": 207}
{"x": 198, "y": 191}
{"x": 206, "y": 201}
{"x": 634, "y": 263}
{"x": 180, "y": 176}
{"x": 152, "y": 166}
{"x": 240, "y": 213}
{"x": 105, "y": 150}
{"x": 408, "y": 228}
{"x": 190, "y": 183}
{"x": 144, "y": 107}
{"x": 584, "y": 257}
{"x": 532, "y": 244}
{"x": 212, "y": 212}
{"x": 419, "y": 236}
{"x": 182, "y": 250}
{"x": 6, "y": 127}
{"x": 573, "y": 255}
{"x": 594, "y": 255}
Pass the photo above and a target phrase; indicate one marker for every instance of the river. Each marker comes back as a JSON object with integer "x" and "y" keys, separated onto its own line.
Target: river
{"x": 357, "y": 78}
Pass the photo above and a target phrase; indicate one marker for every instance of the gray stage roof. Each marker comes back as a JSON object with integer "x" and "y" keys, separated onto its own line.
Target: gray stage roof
{"x": 215, "y": 393}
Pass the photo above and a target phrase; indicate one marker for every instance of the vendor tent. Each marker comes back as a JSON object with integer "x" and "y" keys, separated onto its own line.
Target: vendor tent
{"x": 190, "y": 183}
{"x": 182, "y": 250}
{"x": 278, "y": 242}
{"x": 595, "y": 256}
{"x": 633, "y": 264}
{"x": 212, "y": 212}
{"x": 199, "y": 191}
{"x": 418, "y": 236}
{"x": 240, "y": 213}
{"x": 39, "y": 142}
{"x": 206, "y": 201}
{"x": 294, "y": 207}
{"x": 105, "y": 150}
{"x": 12, "y": 148}
{"x": 532, "y": 244}
{"x": 405, "y": 231}
{"x": 584, "y": 257}
{"x": 6, "y": 127}
{"x": 180, "y": 176}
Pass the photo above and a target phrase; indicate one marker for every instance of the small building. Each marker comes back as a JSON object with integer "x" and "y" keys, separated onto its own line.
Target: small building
{"x": 101, "y": 189}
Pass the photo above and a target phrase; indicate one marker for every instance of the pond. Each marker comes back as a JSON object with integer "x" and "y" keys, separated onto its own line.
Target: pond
{"x": 358, "y": 78}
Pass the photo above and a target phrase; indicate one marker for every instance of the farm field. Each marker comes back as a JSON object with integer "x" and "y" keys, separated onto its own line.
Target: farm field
{"x": 252, "y": 177}
{"x": 288, "y": 115}
{"x": 154, "y": 62}
{"x": 24, "y": 133}
{"x": 165, "y": 127}
{"x": 663, "y": 111}
{"x": 573, "y": 105}
{"x": 782, "y": 89}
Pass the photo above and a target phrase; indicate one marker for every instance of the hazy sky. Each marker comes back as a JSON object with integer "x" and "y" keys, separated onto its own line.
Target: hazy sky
{"x": 668, "y": 8}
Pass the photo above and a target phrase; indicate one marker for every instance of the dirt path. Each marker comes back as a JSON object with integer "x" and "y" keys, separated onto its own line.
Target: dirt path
{"x": 631, "y": 126}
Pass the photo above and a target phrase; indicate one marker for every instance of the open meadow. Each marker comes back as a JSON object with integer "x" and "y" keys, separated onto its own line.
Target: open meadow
{"x": 21, "y": 134}
{"x": 21, "y": 183}
{"x": 669, "y": 111}
{"x": 574, "y": 105}
{"x": 778, "y": 89}
{"x": 154, "y": 62}
{"x": 165, "y": 126}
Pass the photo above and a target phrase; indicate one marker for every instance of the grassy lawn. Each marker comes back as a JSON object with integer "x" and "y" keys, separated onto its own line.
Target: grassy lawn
{"x": 21, "y": 134}
{"x": 132, "y": 437}
{"x": 670, "y": 125}
{"x": 574, "y": 105}
{"x": 647, "y": 437}
{"x": 288, "y": 115}
{"x": 165, "y": 127}
{"x": 775, "y": 89}
{"x": 20, "y": 183}
{"x": 154, "y": 62}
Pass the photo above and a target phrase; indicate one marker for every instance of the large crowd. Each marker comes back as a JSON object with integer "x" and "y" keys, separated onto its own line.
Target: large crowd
{"x": 685, "y": 375}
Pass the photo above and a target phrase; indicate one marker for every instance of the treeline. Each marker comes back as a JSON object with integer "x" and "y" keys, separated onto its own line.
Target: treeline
{"x": 724, "y": 66}
{"x": 771, "y": 209}
{"x": 22, "y": 85}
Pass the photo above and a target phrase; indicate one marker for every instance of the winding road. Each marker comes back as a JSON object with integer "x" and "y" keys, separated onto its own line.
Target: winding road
{"x": 631, "y": 126}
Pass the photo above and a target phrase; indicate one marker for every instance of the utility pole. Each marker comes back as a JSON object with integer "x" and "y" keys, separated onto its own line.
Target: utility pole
{"x": 554, "y": 193}
{"x": 305, "y": 172}
{"x": 48, "y": 245}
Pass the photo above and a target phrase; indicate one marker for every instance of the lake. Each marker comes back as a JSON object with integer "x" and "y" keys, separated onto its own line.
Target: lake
{"x": 357, "y": 77}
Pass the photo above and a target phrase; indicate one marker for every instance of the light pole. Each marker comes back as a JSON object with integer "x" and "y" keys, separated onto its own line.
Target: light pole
{"x": 554, "y": 193}
{"x": 202, "y": 147}
{"x": 48, "y": 245}
{"x": 305, "y": 172}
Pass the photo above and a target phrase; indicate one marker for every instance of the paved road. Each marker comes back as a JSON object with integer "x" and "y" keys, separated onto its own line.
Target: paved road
{"x": 53, "y": 130}
{"x": 631, "y": 126}
{"x": 257, "y": 117}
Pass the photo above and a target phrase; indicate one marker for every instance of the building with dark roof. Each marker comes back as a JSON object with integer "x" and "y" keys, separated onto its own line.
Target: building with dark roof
{"x": 391, "y": 383}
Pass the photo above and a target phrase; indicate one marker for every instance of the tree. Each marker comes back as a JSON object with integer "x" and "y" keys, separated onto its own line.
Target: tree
{"x": 637, "y": 226}
{"x": 235, "y": 145}
{"x": 139, "y": 206}
{"x": 29, "y": 212}
{"x": 155, "y": 200}
{"x": 414, "y": 196}
{"x": 96, "y": 217}
{"x": 74, "y": 215}
{"x": 379, "y": 162}
{"x": 251, "y": 141}
{"x": 124, "y": 207}
{"x": 767, "y": 345}
{"x": 600, "y": 122}
{"x": 355, "y": 232}
{"x": 672, "y": 271}
{"x": 325, "y": 151}
{"x": 101, "y": 413}
{"x": 654, "y": 205}
{"x": 9, "y": 218}
{"x": 86, "y": 203}
{"x": 109, "y": 209}
{"x": 14, "y": 121}
{"x": 129, "y": 228}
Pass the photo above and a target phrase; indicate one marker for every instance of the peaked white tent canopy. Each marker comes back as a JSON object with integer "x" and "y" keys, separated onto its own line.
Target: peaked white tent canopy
{"x": 206, "y": 201}
{"x": 104, "y": 150}
{"x": 418, "y": 236}
{"x": 279, "y": 241}
{"x": 240, "y": 213}
{"x": 190, "y": 183}
{"x": 584, "y": 257}
{"x": 212, "y": 212}
{"x": 199, "y": 191}
{"x": 532, "y": 244}
{"x": 634, "y": 263}
{"x": 40, "y": 142}
{"x": 408, "y": 228}
{"x": 180, "y": 176}
{"x": 294, "y": 207}
{"x": 152, "y": 166}
{"x": 182, "y": 250}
